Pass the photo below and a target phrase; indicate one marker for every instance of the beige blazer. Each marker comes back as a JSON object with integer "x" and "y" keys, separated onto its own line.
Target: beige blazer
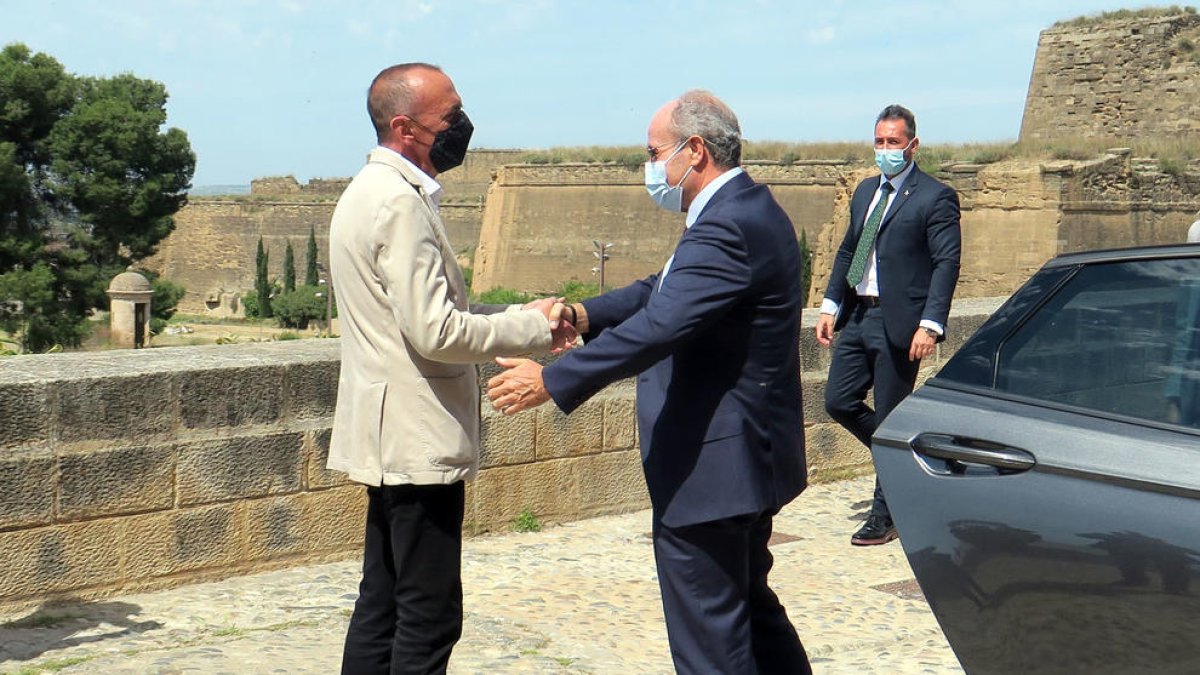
{"x": 408, "y": 393}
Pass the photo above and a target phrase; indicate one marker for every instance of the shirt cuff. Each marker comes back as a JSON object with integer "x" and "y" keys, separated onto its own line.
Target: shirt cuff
{"x": 934, "y": 326}
{"x": 829, "y": 307}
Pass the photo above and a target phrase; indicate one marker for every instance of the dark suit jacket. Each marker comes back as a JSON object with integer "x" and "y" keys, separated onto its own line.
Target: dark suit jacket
{"x": 917, "y": 256}
{"x": 717, "y": 349}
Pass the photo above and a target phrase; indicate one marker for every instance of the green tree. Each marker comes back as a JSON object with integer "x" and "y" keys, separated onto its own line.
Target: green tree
{"x": 89, "y": 183}
{"x": 805, "y": 267}
{"x": 262, "y": 283}
{"x": 289, "y": 269}
{"x": 310, "y": 268}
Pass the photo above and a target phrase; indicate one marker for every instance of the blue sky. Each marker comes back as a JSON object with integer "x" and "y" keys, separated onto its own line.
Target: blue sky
{"x": 275, "y": 87}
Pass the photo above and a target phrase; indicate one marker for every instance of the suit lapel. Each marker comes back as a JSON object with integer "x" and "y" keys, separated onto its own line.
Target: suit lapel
{"x": 910, "y": 186}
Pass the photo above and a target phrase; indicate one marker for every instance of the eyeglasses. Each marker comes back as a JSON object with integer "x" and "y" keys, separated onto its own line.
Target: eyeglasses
{"x": 652, "y": 150}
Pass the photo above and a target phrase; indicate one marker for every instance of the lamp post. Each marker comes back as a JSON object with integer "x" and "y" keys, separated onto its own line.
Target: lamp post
{"x": 328, "y": 294}
{"x": 601, "y": 254}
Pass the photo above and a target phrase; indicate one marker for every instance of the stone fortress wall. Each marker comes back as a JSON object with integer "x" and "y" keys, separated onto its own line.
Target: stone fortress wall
{"x": 211, "y": 252}
{"x": 1116, "y": 78}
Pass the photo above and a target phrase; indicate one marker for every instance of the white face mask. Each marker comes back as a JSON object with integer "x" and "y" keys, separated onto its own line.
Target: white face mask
{"x": 663, "y": 193}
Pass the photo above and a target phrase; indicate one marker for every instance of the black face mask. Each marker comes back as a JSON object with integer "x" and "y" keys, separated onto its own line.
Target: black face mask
{"x": 449, "y": 147}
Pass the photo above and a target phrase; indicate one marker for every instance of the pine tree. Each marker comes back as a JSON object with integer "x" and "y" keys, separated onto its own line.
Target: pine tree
{"x": 310, "y": 271}
{"x": 289, "y": 269}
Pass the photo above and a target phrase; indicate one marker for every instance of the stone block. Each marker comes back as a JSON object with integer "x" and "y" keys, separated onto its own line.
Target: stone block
{"x": 235, "y": 468}
{"x": 498, "y": 495}
{"x": 316, "y": 449}
{"x": 26, "y": 488}
{"x": 620, "y": 422}
{"x": 611, "y": 482}
{"x": 331, "y": 520}
{"x": 124, "y": 480}
{"x": 310, "y": 390}
{"x": 560, "y": 435}
{"x": 132, "y": 408}
{"x": 47, "y": 560}
{"x": 829, "y": 446}
{"x": 24, "y": 415}
{"x": 506, "y": 439}
{"x": 231, "y": 397}
{"x": 160, "y": 544}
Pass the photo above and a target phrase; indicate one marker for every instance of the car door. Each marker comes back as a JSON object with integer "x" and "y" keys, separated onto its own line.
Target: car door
{"x": 1046, "y": 483}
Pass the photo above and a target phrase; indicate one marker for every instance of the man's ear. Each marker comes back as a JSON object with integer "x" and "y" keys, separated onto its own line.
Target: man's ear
{"x": 401, "y": 126}
{"x": 698, "y": 149}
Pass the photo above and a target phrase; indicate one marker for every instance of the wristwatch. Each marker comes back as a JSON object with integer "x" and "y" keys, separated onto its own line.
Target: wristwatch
{"x": 930, "y": 332}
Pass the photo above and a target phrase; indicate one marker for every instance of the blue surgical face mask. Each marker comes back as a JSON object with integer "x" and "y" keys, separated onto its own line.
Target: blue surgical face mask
{"x": 664, "y": 194}
{"x": 892, "y": 162}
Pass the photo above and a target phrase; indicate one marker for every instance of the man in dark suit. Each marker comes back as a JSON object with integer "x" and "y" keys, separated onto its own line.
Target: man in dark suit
{"x": 889, "y": 292}
{"x": 714, "y": 341}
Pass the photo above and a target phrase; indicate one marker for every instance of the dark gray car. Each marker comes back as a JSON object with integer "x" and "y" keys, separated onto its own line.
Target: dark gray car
{"x": 1046, "y": 483}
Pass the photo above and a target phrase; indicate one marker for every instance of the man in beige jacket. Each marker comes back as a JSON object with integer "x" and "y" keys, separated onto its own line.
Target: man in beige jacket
{"x": 407, "y": 419}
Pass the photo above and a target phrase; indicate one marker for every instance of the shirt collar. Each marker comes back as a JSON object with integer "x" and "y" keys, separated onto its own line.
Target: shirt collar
{"x": 897, "y": 181}
{"x": 701, "y": 200}
{"x": 430, "y": 186}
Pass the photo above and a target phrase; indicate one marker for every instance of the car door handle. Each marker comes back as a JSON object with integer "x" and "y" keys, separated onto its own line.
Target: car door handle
{"x": 973, "y": 451}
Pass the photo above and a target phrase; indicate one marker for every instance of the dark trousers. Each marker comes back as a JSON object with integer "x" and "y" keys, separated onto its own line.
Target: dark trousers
{"x": 721, "y": 615}
{"x": 409, "y": 610}
{"x": 863, "y": 359}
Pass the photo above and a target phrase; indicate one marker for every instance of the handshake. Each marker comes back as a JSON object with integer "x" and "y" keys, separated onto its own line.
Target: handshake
{"x": 520, "y": 387}
{"x": 563, "y": 335}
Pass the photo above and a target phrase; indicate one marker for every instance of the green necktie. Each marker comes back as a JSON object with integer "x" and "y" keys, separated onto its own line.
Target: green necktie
{"x": 858, "y": 265}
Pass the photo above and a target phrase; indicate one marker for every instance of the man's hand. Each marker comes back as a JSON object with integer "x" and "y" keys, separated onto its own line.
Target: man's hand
{"x": 825, "y": 329}
{"x": 551, "y": 308}
{"x": 922, "y": 345}
{"x": 518, "y": 388}
{"x": 563, "y": 335}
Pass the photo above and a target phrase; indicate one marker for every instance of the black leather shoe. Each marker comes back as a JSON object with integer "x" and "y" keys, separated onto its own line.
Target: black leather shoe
{"x": 877, "y": 530}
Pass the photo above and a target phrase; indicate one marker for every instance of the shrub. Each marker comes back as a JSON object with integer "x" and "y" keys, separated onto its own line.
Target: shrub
{"x": 298, "y": 308}
{"x": 575, "y": 291}
{"x": 504, "y": 296}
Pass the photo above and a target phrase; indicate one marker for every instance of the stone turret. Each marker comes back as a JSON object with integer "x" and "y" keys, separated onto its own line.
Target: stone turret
{"x": 130, "y": 296}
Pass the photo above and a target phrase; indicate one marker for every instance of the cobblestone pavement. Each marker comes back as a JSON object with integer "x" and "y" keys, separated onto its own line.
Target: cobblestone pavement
{"x": 575, "y": 598}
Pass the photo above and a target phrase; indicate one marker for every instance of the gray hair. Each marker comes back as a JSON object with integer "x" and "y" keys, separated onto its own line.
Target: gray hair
{"x": 699, "y": 113}
{"x": 390, "y": 94}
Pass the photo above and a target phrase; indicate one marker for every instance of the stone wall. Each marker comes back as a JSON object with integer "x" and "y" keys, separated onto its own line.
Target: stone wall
{"x": 211, "y": 252}
{"x": 138, "y": 469}
{"x": 1116, "y": 79}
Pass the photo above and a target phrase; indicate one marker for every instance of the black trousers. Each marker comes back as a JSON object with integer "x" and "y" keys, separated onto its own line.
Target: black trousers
{"x": 408, "y": 615}
{"x": 722, "y": 617}
{"x": 863, "y": 359}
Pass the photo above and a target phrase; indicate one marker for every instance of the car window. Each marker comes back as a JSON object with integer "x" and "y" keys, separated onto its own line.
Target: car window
{"x": 1118, "y": 337}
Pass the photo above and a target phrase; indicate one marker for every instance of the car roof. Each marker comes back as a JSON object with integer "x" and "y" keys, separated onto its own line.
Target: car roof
{"x": 1188, "y": 250}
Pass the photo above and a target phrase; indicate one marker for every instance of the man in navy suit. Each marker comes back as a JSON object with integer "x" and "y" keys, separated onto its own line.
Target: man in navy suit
{"x": 889, "y": 292}
{"x": 714, "y": 341}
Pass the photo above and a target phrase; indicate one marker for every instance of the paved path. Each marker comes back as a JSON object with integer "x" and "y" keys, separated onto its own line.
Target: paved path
{"x": 575, "y": 598}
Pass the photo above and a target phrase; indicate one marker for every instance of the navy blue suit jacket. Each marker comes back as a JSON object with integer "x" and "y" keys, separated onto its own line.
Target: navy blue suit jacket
{"x": 716, "y": 351}
{"x": 917, "y": 255}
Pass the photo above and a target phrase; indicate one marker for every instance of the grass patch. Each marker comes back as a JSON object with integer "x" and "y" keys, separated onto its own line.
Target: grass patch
{"x": 53, "y": 665}
{"x": 527, "y": 521}
{"x": 1122, "y": 14}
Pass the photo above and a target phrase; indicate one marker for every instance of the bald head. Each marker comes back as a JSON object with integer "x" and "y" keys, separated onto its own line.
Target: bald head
{"x": 400, "y": 90}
